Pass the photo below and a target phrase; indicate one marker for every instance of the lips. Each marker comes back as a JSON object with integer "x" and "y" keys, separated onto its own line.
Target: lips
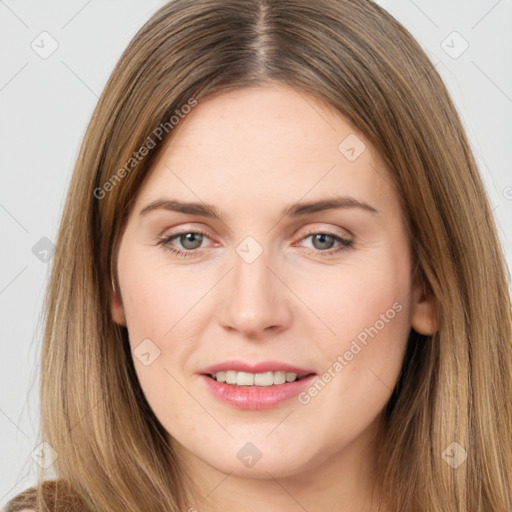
{"x": 259, "y": 386}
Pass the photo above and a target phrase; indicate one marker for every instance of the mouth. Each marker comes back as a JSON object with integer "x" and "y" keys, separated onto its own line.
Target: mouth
{"x": 264, "y": 374}
{"x": 261, "y": 386}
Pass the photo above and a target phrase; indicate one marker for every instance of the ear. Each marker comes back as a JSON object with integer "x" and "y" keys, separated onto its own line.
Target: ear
{"x": 423, "y": 312}
{"x": 117, "y": 309}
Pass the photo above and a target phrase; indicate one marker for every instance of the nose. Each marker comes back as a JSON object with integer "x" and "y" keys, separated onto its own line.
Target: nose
{"x": 256, "y": 299}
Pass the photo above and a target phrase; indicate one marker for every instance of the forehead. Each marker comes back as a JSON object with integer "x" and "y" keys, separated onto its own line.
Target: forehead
{"x": 247, "y": 147}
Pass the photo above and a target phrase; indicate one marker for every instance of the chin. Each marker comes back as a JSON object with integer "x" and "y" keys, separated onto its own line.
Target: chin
{"x": 260, "y": 459}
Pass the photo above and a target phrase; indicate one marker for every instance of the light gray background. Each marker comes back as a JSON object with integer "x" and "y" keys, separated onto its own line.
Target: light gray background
{"x": 45, "y": 105}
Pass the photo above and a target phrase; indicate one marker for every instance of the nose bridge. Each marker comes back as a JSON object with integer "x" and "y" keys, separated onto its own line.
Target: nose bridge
{"x": 255, "y": 299}
{"x": 251, "y": 277}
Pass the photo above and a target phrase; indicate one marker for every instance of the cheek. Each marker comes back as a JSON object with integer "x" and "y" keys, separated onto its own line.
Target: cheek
{"x": 155, "y": 308}
{"x": 368, "y": 308}
{"x": 357, "y": 298}
{"x": 366, "y": 305}
{"x": 153, "y": 302}
{"x": 160, "y": 308}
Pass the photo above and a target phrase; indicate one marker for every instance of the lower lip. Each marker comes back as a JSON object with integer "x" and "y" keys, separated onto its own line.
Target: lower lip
{"x": 256, "y": 397}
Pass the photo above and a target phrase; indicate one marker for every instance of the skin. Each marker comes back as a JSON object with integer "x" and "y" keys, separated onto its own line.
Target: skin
{"x": 251, "y": 153}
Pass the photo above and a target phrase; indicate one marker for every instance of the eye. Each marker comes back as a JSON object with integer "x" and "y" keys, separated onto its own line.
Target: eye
{"x": 189, "y": 240}
{"x": 323, "y": 242}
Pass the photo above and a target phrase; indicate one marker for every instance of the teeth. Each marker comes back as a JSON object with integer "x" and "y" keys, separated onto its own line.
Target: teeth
{"x": 280, "y": 377}
{"x": 244, "y": 379}
{"x": 264, "y": 379}
{"x": 231, "y": 377}
{"x": 254, "y": 379}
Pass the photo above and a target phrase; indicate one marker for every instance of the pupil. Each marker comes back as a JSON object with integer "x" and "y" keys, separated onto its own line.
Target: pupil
{"x": 189, "y": 239}
{"x": 322, "y": 238}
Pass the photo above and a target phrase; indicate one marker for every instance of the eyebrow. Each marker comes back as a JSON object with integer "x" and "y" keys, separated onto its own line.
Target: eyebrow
{"x": 294, "y": 210}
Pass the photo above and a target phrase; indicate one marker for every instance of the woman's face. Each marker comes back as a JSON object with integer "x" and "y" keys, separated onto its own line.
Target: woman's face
{"x": 303, "y": 270}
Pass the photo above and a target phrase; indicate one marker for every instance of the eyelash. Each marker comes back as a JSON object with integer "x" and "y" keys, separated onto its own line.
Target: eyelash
{"x": 345, "y": 244}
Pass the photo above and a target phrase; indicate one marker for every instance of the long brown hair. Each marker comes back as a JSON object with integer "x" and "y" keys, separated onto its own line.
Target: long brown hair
{"x": 455, "y": 385}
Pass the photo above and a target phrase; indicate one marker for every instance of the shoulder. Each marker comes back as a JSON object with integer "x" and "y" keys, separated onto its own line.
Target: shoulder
{"x": 25, "y": 501}
{"x": 57, "y": 495}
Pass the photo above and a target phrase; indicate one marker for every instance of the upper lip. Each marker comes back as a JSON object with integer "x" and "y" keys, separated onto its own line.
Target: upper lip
{"x": 262, "y": 367}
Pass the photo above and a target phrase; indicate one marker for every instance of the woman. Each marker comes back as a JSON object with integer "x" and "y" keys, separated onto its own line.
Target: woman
{"x": 278, "y": 283}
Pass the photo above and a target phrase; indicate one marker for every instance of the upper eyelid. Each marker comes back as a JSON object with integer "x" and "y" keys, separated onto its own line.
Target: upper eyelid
{"x": 308, "y": 231}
